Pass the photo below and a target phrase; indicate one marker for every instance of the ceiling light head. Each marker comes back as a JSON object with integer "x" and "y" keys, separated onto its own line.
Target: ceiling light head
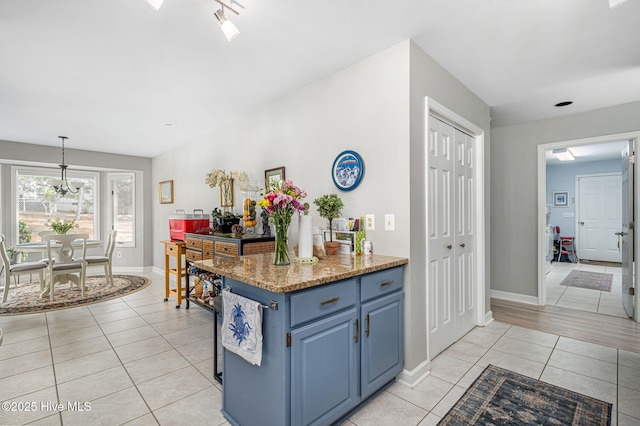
{"x": 230, "y": 31}
{"x": 615, "y": 3}
{"x": 563, "y": 104}
{"x": 155, "y": 4}
{"x": 563, "y": 154}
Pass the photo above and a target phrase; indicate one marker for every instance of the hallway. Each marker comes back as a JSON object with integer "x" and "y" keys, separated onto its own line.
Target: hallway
{"x": 583, "y": 299}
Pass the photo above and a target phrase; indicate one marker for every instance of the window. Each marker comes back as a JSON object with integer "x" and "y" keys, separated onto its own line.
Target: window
{"x": 122, "y": 207}
{"x": 37, "y": 202}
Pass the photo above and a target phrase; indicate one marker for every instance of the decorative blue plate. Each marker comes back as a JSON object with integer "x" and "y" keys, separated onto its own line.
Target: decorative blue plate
{"x": 347, "y": 170}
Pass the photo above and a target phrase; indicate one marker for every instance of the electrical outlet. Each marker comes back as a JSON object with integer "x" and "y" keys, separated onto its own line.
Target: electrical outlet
{"x": 119, "y": 254}
{"x": 370, "y": 222}
{"x": 389, "y": 222}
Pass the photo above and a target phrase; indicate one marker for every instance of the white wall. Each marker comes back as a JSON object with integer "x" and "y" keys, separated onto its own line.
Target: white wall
{"x": 374, "y": 108}
{"x": 364, "y": 108}
{"x": 24, "y": 153}
{"x": 514, "y": 214}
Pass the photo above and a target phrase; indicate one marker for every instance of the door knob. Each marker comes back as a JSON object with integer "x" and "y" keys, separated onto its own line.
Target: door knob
{"x": 621, "y": 234}
{"x": 581, "y": 223}
{"x": 462, "y": 245}
{"x": 449, "y": 246}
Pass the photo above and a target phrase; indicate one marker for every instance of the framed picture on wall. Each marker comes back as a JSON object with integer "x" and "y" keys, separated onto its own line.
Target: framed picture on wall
{"x": 561, "y": 199}
{"x": 273, "y": 176}
{"x": 165, "y": 190}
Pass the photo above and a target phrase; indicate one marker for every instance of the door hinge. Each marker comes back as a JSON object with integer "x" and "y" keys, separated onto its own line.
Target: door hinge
{"x": 288, "y": 340}
{"x": 632, "y": 291}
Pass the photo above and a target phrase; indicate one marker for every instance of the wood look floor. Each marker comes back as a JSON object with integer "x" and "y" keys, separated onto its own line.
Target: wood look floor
{"x": 586, "y": 326}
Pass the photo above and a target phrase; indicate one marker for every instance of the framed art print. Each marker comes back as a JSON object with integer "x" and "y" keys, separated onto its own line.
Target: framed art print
{"x": 273, "y": 176}
{"x": 165, "y": 190}
{"x": 561, "y": 199}
{"x": 347, "y": 170}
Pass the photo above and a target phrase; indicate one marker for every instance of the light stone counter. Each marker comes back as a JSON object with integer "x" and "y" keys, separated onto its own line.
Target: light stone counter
{"x": 259, "y": 270}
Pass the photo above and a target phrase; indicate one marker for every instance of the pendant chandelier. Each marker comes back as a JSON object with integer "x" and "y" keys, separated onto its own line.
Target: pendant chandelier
{"x": 61, "y": 185}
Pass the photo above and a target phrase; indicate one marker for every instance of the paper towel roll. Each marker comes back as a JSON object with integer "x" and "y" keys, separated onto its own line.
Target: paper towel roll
{"x": 305, "y": 237}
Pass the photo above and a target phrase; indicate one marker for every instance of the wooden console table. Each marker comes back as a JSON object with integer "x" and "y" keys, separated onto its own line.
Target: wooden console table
{"x": 177, "y": 250}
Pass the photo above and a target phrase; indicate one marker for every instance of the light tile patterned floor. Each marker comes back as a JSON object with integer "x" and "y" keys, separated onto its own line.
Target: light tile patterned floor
{"x": 140, "y": 361}
{"x": 584, "y": 299}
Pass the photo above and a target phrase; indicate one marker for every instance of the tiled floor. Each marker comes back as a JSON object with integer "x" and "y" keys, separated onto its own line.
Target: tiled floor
{"x": 140, "y": 361}
{"x": 604, "y": 302}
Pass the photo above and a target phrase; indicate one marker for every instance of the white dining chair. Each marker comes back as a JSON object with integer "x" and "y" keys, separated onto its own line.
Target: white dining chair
{"x": 105, "y": 260}
{"x": 60, "y": 249}
{"x": 18, "y": 269}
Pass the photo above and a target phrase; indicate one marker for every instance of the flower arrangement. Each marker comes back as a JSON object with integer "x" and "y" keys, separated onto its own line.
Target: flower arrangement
{"x": 280, "y": 203}
{"x": 61, "y": 226}
{"x": 218, "y": 177}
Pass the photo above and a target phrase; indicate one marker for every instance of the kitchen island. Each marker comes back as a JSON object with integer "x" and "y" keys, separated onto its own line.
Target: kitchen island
{"x": 332, "y": 337}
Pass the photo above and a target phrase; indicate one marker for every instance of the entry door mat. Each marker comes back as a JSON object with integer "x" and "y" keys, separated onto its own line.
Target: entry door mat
{"x": 502, "y": 397}
{"x": 591, "y": 280}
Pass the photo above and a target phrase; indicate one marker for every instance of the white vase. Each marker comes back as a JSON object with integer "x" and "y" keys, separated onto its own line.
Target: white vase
{"x": 305, "y": 237}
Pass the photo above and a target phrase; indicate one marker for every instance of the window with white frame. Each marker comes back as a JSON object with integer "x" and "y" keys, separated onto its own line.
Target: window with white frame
{"x": 122, "y": 207}
{"x": 37, "y": 201}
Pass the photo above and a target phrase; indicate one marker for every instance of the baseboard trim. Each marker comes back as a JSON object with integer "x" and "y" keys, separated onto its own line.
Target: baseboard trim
{"x": 129, "y": 269}
{"x": 488, "y": 318}
{"x": 514, "y": 297}
{"x": 414, "y": 377}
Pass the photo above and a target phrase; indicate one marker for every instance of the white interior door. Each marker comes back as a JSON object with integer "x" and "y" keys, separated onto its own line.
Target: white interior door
{"x": 450, "y": 210}
{"x": 600, "y": 217}
{"x": 626, "y": 232}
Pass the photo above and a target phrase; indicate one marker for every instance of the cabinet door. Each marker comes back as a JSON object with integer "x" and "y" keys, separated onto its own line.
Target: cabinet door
{"x": 382, "y": 342}
{"x": 324, "y": 369}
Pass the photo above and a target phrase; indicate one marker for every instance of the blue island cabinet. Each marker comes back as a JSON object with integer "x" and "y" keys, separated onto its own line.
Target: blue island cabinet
{"x": 326, "y": 350}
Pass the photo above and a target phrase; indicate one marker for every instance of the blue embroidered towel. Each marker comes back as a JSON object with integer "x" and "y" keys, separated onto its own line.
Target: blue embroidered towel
{"x": 242, "y": 327}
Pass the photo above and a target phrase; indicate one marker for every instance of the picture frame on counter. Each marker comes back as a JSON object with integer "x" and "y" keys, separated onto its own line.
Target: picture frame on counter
{"x": 561, "y": 199}
{"x": 273, "y": 176}
{"x": 165, "y": 192}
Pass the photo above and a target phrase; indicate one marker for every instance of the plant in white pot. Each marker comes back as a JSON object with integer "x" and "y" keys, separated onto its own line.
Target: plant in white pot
{"x": 61, "y": 226}
{"x": 16, "y": 256}
{"x": 329, "y": 207}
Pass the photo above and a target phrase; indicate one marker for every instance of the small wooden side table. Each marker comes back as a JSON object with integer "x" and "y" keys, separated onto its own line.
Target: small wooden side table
{"x": 177, "y": 250}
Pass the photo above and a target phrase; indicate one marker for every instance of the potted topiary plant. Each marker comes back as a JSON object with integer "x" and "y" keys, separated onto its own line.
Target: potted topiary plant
{"x": 329, "y": 207}
{"x": 16, "y": 256}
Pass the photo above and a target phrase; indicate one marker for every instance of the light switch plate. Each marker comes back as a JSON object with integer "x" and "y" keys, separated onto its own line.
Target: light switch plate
{"x": 370, "y": 222}
{"x": 389, "y": 222}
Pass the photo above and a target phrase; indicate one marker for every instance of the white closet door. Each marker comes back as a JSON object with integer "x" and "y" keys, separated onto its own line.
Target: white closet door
{"x": 450, "y": 228}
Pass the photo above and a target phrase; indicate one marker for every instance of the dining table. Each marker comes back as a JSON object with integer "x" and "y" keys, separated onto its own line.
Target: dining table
{"x": 41, "y": 247}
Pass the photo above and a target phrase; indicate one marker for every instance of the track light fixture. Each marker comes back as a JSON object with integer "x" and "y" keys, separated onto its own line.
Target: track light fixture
{"x": 61, "y": 185}
{"x": 230, "y": 31}
{"x": 155, "y": 4}
{"x": 615, "y": 3}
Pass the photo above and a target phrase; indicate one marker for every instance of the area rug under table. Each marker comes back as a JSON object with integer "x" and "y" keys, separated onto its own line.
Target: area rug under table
{"x": 25, "y": 298}
{"x": 502, "y": 397}
{"x": 587, "y": 279}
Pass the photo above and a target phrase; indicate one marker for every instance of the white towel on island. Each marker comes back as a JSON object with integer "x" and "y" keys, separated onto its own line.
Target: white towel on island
{"x": 242, "y": 327}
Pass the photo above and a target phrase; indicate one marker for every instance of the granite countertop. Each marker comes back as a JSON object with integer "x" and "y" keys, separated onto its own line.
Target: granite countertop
{"x": 259, "y": 270}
